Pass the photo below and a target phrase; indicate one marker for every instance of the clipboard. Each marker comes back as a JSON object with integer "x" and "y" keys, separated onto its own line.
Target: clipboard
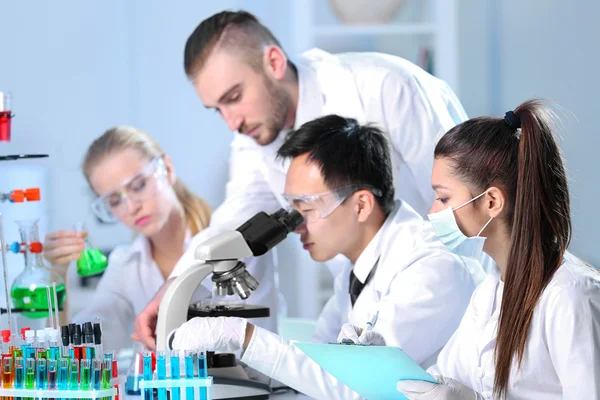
{"x": 371, "y": 371}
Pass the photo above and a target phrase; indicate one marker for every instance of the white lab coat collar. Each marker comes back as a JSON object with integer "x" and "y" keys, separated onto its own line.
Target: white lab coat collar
{"x": 310, "y": 97}
{"x": 310, "y": 106}
{"x": 140, "y": 247}
{"x": 340, "y": 95}
{"x": 370, "y": 255}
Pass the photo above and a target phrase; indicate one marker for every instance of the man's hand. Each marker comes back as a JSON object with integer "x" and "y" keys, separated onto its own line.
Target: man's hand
{"x": 145, "y": 322}
{"x": 366, "y": 337}
{"x": 222, "y": 334}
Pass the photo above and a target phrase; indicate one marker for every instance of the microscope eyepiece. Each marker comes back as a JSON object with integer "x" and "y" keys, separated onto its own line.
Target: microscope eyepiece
{"x": 290, "y": 220}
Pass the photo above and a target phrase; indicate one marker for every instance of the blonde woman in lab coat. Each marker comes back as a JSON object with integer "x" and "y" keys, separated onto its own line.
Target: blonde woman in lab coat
{"x": 137, "y": 186}
{"x": 532, "y": 329}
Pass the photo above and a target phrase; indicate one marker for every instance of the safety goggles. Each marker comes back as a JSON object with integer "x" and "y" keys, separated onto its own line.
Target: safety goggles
{"x": 138, "y": 187}
{"x": 316, "y": 206}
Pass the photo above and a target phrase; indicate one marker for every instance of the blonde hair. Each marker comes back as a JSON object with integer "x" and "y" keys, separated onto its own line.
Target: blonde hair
{"x": 197, "y": 211}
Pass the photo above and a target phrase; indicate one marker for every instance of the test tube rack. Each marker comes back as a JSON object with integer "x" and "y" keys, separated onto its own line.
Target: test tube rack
{"x": 55, "y": 394}
{"x": 181, "y": 383}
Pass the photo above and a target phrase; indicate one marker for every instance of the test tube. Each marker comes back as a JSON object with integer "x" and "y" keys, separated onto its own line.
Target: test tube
{"x": 63, "y": 374}
{"x": 88, "y": 340}
{"x": 19, "y": 374}
{"x": 106, "y": 375}
{"x": 42, "y": 375}
{"x": 74, "y": 374}
{"x": 148, "y": 374}
{"x": 7, "y": 372}
{"x": 175, "y": 374}
{"x": 51, "y": 365}
{"x": 161, "y": 372}
{"x": 189, "y": 373}
{"x": 96, "y": 374}
{"x": 41, "y": 343}
{"x": 85, "y": 372}
{"x": 29, "y": 375}
{"x": 202, "y": 373}
{"x": 66, "y": 341}
{"x": 29, "y": 346}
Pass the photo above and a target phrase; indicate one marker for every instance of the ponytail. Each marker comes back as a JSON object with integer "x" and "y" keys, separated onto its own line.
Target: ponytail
{"x": 197, "y": 211}
{"x": 541, "y": 232}
{"x": 526, "y": 164}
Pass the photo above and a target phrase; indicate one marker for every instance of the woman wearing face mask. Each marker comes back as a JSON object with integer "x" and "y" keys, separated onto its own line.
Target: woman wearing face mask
{"x": 137, "y": 186}
{"x": 532, "y": 329}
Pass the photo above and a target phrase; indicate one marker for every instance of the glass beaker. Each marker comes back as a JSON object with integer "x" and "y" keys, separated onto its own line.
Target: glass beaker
{"x": 28, "y": 290}
{"x": 92, "y": 261}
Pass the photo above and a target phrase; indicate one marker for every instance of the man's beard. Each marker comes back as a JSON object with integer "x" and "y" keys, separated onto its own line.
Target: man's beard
{"x": 278, "y": 103}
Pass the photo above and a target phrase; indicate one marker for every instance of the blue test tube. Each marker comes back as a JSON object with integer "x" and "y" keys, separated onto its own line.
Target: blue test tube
{"x": 202, "y": 373}
{"x": 63, "y": 374}
{"x": 161, "y": 372}
{"x": 41, "y": 380}
{"x": 19, "y": 374}
{"x": 189, "y": 373}
{"x": 74, "y": 374}
{"x": 148, "y": 373}
{"x": 175, "y": 374}
{"x": 96, "y": 374}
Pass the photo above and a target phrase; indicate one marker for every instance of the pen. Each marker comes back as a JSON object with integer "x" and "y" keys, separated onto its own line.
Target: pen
{"x": 369, "y": 325}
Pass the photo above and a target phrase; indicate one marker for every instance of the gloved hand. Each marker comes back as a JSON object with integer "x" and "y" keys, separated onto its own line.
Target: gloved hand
{"x": 222, "y": 334}
{"x": 445, "y": 389}
{"x": 368, "y": 337}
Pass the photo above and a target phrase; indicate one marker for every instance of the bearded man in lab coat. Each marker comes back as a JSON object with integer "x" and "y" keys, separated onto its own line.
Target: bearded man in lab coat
{"x": 340, "y": 180}
{"x": 239, "y": 69}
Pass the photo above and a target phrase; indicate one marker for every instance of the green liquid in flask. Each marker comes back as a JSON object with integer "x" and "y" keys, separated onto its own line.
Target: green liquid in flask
{"x": 92, "y": 262}
{"x": 34, "y": 298}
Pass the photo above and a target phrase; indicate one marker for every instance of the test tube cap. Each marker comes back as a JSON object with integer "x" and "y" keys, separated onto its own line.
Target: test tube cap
{"x": 97, "y": 333}
{"x": 30, "y": 334}
{"x": 88, "y": 332}
{"x": 5, "y": 335}
{"x": 77, "y": 335}
{"x": 41, "y": 335}
{"x": 65, "y": 335}
{"x": 54, "y": 334}
{"x": 32, "y": 194}
{"x": 23, "y": 330}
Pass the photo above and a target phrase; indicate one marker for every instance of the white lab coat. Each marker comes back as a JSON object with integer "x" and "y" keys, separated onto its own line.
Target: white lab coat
{"x": 412, "y": 107}
{"x": 562, "y": 353}
{"x": 130, "y": 281}
{"x": 420, "y": 289}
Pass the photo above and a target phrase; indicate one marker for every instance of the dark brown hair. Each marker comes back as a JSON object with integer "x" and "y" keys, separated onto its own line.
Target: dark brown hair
{"x": 239, "y": 30}
{"x": 526, "y": 163}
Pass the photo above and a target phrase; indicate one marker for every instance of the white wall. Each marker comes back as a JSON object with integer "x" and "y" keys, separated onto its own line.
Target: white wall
{"x": 77, "y": 68}
{"x": 549, "y": 49}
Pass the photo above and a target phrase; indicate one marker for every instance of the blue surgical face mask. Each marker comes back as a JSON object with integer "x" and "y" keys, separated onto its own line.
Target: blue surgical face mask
{"x": 445, "y": 226}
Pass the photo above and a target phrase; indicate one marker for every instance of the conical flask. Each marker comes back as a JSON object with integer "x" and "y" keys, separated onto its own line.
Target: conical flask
{"x": 28, "y": 290}
{"x": 92, "y": 261}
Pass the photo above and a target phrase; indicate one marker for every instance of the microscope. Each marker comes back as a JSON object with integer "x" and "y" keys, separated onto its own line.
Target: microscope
{"x": 222, "y": 257}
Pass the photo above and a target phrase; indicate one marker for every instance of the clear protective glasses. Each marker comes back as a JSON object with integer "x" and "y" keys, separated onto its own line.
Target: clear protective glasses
{"x": 138, "y": 187}
{"x": 313, "y": 207}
